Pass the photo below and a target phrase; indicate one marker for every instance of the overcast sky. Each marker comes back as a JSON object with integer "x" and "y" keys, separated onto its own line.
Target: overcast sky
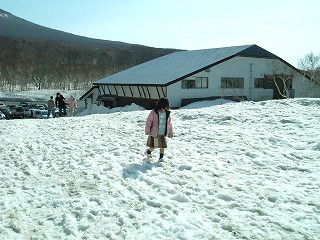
{"x": 287, "y": 28}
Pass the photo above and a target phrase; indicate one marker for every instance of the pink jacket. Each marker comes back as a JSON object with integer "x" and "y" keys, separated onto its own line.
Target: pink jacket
{"x": 51, "y": 104}
{"x": 152, "y": 125}
{"x": 73, "y": 103}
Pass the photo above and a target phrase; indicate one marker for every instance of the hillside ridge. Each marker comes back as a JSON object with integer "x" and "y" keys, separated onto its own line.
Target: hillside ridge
{"x": 19, "y": 28}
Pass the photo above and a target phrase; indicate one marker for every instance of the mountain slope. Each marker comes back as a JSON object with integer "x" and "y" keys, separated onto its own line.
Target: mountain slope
{"x": 15, "y": 27}
{"x": 48, "y": 58}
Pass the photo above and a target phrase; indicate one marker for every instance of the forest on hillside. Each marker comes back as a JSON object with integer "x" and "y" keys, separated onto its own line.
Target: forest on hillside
{"x": 34, "y": 64}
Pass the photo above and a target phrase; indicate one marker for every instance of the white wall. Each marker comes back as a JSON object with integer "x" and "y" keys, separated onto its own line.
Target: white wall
{"x": 238, "y": 67}
{"x": 89, "y": 101}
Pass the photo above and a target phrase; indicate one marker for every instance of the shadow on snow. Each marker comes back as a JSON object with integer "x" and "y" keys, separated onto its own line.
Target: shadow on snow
{"x": 135, "y": 169}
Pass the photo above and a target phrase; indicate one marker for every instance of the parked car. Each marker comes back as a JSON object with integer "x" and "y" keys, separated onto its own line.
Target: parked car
{"x": 19, "y": 113}
{"x": 38, "y": 106}
{"x": 25, "y": 106}
{"x": 37, "y": 113}
{"x": 6, "y": 112}
{"x": 33, "y": 112}
{"x": 24, "y": 103}
{"x": 2, "y": 116}
{"x": 27, "y": 112}
{"x": 12, "y": 107}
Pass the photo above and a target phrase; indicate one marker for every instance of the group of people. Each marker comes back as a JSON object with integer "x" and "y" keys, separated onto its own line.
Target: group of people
{"x": 61, "y": 103}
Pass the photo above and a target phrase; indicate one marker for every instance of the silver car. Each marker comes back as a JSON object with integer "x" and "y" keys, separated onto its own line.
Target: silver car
{"x": 2, "y": 116}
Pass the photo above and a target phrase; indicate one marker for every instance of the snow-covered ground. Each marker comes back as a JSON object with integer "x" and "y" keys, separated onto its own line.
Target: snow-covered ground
{"x": 247, "y": 170}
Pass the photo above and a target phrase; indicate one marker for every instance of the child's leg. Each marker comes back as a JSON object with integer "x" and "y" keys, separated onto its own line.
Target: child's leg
{"x": 148, "y": 152}
{"x": 161, "y": 153}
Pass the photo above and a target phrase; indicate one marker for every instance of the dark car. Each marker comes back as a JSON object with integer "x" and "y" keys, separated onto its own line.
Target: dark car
{"x": 27, "y": 111}
{"x": 19, "y": 113}
{"x": 25, "y": 106}
{"x": 24, "y": 103}
{"x": 6, "y": 112}
{"x": 12, "y": 107}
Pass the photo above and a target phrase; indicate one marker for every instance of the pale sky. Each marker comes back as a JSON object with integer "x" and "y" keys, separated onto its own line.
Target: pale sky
{"x": 287, "y": 28}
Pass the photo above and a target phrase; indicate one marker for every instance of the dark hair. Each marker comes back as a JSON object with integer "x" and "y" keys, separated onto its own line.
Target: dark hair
{"x": 163, "y": 103}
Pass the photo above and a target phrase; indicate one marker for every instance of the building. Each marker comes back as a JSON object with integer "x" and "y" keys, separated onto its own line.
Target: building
{"x": 246, "y": 72}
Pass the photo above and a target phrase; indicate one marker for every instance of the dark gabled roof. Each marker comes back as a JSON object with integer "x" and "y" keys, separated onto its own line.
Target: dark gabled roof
{"x": 87, "y": 92}
{"x": 173, "y": 67}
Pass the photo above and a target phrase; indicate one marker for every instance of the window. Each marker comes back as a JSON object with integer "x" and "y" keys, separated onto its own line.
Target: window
{"x": 263, "y": 83}
{"x": 188, "y": 83}
{"x": 227, "y": 82}
{"x": 198, "y": 82}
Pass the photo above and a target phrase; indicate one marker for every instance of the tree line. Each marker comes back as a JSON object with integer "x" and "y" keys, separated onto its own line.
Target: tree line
{"x": 33, "y": 64}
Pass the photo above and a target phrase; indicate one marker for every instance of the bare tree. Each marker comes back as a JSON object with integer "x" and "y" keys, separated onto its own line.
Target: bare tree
{"x": 282, "y": 76}
{"x": 310, "y": 66}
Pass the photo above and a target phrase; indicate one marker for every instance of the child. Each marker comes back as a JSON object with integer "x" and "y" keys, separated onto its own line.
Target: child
{"x": 72, "y": 106}
{"x": 158, "y": 127}
{"x": 51, "y": 107}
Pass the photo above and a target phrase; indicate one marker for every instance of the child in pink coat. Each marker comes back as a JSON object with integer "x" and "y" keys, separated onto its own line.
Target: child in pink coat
{"x": 72, "y": 106}
{"x": 158, "y": 128}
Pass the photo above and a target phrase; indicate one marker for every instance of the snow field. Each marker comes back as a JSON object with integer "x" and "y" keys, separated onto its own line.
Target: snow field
{"x": 233, "y": 171}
